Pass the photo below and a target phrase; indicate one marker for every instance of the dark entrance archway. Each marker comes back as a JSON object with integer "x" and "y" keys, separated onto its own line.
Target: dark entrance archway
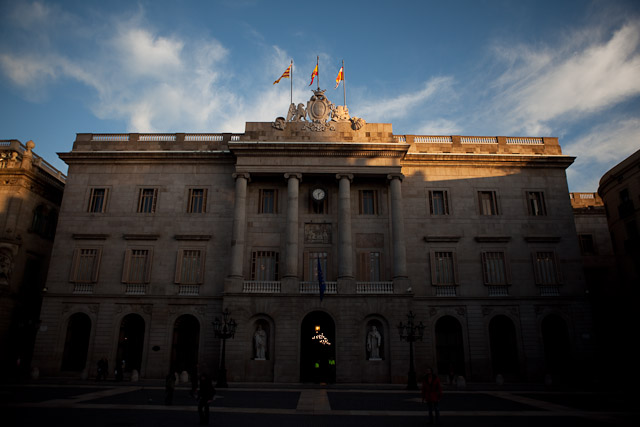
{"x": 76, "y": 344}
{"x": 504, "y": 347}
{"x": 449, "y": 347}
{"x": 186, "y": 341}
{"x": 557, "y": 348}
{"x": 131, "y": 342}
{"x": 318, "y": 348}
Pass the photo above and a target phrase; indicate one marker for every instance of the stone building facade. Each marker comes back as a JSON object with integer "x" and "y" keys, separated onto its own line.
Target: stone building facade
{"x": 159, "y": 233}
{"x": 30, "y": 197}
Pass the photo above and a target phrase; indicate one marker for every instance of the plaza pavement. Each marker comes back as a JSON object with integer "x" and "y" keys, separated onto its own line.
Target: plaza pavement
{"x": 97, "y": 404}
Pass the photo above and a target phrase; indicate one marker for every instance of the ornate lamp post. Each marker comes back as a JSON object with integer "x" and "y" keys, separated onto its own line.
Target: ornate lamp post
{"x": 224, "y": 330}
{"x": 411, "y": 333}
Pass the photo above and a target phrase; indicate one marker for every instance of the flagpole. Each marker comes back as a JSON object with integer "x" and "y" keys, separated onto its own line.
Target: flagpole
{"x": 318, "y": 68}
{"x": 344, "y": 84}
{"x": 291, "y": 78}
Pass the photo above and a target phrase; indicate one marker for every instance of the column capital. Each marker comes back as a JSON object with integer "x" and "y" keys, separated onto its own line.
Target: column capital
{"x": 244, "y": 175}
{"x": 293, "y": 175}
{"x": 349, "y": 176}
{"x": 393, "y": 176}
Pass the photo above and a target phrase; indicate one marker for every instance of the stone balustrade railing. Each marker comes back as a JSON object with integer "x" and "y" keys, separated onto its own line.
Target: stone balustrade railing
{"x": 374, "y": 287}
{"x": 189, "y": 290}
{"x": 83, "y": 288}
{"x": 445, "y": 290}
{"x": 498, "y": 291}
{"x": 135, "y": 288}
{"x": 482, "y": 144}
{"x": 261, "y": 287}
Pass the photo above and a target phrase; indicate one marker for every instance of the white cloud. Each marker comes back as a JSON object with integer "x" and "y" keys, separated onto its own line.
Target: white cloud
{"x": 439, "y": 126}
{"x": 600, "y": 149}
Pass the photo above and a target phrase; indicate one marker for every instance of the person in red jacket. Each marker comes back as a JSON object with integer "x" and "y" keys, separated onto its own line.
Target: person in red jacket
{"x": 432, "y": 393}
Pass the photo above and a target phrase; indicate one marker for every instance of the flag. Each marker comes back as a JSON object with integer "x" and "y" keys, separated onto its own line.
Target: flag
{"x": 340, "y": 77}
{"x": 314, "y": 74}
{"x": 285, "y": 75}
{"x": 321, "y": 279}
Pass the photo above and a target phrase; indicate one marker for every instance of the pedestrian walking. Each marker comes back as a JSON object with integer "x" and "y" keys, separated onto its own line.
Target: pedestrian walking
{"x": 431, "y": 394}
{"x": 193, "y": 376}
{"x": 205, "y": 397}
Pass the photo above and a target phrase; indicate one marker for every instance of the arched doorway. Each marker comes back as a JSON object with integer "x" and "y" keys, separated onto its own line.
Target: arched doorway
{"x": 449, "y": 347}
{"x": 76, "y": 344}
{"x": 504, "y": 347}
{"x": 557, "y": 348}
{"x": 131, "y": 342}
{"x": 318, "y": 348}
{"x": 186, "y": 341}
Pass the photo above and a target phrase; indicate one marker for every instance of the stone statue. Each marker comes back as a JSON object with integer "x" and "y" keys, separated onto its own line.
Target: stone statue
{"x": 374, "y": 339}
{"x": 296, "y": 114}
{"x": 260, "y": 339}
{"x": 280, "y": 123}
{"x": 357, "y": 123}
{"x": 340, "y": 113}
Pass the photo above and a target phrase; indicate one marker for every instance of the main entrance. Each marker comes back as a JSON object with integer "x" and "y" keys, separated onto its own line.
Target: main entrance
{"x": 318, "y": 348}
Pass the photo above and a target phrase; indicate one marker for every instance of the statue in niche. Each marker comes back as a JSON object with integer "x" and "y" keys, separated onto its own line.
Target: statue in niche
{"x": 374, "y": 340}
{"x": 260, "y": 340}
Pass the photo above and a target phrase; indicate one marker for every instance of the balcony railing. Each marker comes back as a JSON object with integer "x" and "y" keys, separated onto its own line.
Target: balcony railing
{"x": 135, "y": 288}
{"x": 374, "y": 287}
{"x": 498, "y": 291}
{"x": 261, "y": 287}
{"x": 314, "y": 288}
{"x": 445, "y": 290}
{"x": 189, "y": 290}
{"x": 549, "y": 291}
{"x": 83, "y": 288}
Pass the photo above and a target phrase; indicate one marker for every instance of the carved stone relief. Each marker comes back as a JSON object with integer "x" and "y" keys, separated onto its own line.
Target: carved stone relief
{"x": 317, "y": 233}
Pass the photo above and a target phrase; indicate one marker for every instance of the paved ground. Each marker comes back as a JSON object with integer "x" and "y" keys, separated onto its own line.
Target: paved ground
{"x": 90, "y": 404}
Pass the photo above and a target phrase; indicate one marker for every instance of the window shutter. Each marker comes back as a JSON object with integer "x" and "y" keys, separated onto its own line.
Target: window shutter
{"x": 201, "y": 266}
{"x": 96, "y": 265}
{"x": 362, "y": 266}
{"x": 307, "y": 268}
{"x": 178, "y": 275}
{"x": 204, "y": 200}
{"x": 430, "y": 194}
{"x": 74, "y": 266}
{"x": 126, "y": 266}
{"x": 454, "y": 260}
{"x": 558, "y": 269}
{"x": 434, "y": 267}
{"x": 507, "y": 268}
{"x": 485, "y": 273}
{"x": 147, "y": 272}
{"x": 536, "y": 268}
{"x": 155, "y": 200}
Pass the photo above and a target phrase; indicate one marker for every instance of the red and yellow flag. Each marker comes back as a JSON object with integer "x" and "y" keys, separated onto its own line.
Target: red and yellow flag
{"x": 285, "y": 75}
{"x": 314, "y": 74}
{"x": 340, "y": 77}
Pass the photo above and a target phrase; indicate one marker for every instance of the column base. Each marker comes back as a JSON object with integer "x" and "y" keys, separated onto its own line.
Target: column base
{"x": 290, "y": 285}
{"x": 346, "y": 285}
{"x": 402, "y": 285}
{"x": 233, "y": 284}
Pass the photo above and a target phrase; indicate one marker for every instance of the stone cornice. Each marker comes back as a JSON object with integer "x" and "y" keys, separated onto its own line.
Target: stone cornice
{"x": 316, "y": 149}
{"x": 492, "y": 239}
{"x": 481, "y": 160}
{"x": 199, "y": 237}
{"x": 141, "y": 236}
{"x": 542, "y": 239}
{"x": 89, "y": 236}
{"x": 435, "y": 239}
{"x": 168, "y": 156}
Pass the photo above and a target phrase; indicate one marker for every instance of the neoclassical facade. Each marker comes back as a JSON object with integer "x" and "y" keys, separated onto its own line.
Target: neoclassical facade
{"x": 30, "y": 196}
{"x": 159, "y": 233}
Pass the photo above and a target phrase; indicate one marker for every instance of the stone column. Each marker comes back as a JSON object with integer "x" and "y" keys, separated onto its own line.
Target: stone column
{"x": 397, "y": 228}
{"x": 291, "y": 251}
{"x": 239, "y": 226}
{"x": 345, "y": 245}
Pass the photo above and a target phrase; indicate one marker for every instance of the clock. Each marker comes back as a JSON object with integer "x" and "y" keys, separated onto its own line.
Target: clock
{"x": 318, "y": 194}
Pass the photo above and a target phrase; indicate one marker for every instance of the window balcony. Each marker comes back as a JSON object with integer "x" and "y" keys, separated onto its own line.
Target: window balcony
{"x": 83, "y": 288}
{"x": 261, "y": 287}
{"x": 374, "y": 288}
{"x": 445, "y": 290}
{"x": 313, "y": 287}
{"x": 189, "y": 290}
{"x": 549, "y": 291}
{"x": 498, "y": 291}
{"x": 135, "y": 288}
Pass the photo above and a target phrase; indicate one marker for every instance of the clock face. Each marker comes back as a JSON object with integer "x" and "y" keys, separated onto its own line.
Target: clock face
{"x": 318, "y": 194}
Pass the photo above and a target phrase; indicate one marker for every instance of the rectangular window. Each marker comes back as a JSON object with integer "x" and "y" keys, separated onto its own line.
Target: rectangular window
{"x": 586, "y": 244}
{"x": 189, "y": 266}
{"x": 369, "y": 267}
{"x": 368, "y": 202}
{"x": 312, "y": 266}
{"x": 488, "y": 202}
{"x": 197, "y": 200}
{"x": 137, "y": 266}
{"x": 147, "y": 200}
{"x": 443, "y": 268}
{"x": 264, "y": 265}
{"x": 85, "y": 265}
{"x": 268, "y": 201}
{"x": 438, "y": 202}
{"x": 98, "y": 200}
{"x": 494, "y": 268}
{"x": 546, "y": 268}
{"x": 535, "y": 203}
{"x": 319, "y": 207}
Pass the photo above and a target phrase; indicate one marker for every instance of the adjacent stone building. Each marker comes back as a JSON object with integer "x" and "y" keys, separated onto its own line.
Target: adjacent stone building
{"x": 30, "y": 197}
{"x": 159, "y": 233}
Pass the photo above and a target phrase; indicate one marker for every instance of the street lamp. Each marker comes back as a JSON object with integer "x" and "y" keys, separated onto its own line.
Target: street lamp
{"x": 411, "y": 333}
{"x": 224, "y": 330}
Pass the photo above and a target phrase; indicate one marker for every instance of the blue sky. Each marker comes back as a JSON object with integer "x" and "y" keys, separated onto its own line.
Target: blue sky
{"x": 569, "y": 69}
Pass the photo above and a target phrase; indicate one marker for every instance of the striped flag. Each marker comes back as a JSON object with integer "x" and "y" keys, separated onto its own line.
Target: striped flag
{"x": 285, "y": 75}
{"x": 314, "y": 74}
{"x": 340, "y": 77}
{"x": 321, "y": 283}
